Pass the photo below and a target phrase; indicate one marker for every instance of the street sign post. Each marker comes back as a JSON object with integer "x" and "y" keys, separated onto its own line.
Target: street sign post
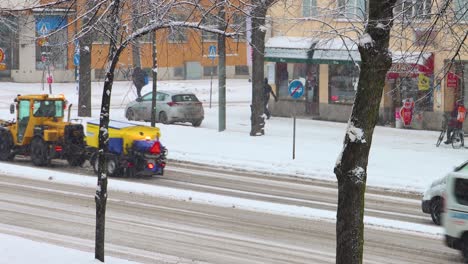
{"x": 296, "y": 91}
{"x": 212, "y": 56}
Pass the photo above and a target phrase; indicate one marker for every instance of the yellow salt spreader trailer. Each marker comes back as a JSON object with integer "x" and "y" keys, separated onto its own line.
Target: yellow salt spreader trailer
{"x": 133, "y": 150}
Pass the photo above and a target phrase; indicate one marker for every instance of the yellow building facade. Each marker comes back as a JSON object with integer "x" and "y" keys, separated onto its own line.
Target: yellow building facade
{"x": 315, "y": 41}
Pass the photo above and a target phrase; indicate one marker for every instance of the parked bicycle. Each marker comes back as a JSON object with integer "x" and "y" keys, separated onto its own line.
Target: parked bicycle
{"x": 457, "y": 137}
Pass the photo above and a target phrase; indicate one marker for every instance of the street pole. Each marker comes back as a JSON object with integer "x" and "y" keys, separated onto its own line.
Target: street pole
{"x": 222, "y": 72}
{"x": 211, "y": 81}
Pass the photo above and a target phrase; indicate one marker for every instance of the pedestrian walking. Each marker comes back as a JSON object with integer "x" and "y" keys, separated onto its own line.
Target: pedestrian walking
{"x": 267, "y": 90}
{"x": 139, "y": 78}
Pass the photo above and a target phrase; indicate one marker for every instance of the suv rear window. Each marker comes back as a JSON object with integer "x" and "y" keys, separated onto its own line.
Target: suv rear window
{"x": 184, "y": 98}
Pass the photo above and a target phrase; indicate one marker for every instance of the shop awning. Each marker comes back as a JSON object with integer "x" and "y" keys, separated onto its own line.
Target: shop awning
{"x": 411, "y": 64}
{"x": 289, "y": 49}
{"x": 336, "y": 51}
{"x": 309, "y": 50}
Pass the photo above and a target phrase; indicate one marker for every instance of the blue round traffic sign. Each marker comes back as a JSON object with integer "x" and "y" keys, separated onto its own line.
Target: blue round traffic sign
{"x": 296, "y": 89}
{"x": 76, "y": 59}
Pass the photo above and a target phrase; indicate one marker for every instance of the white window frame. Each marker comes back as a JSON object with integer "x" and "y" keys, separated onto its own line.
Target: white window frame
{"x": 461, "y": 7}
{"x": 309, "y": 8}
{"x": 210, "y": 21}
{"x": 404, "y": 6}
{"x": 343, "y": 6}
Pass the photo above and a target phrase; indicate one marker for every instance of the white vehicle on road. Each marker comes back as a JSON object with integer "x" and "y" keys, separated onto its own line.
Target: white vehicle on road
{"x": 433, "y": 199}
{"x": 455, "y": 217}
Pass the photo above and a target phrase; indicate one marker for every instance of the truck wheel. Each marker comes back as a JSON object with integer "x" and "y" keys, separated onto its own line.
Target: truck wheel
{"x": 76, "y": 160}
{"x": 112, "y": 165}
{"x": 39, "y": 155}
{"x": 464, "y": 248}
{"x": 6, "y": 144}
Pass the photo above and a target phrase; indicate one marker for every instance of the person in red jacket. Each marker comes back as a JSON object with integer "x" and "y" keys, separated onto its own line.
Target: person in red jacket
{"x": 457, "y": 117}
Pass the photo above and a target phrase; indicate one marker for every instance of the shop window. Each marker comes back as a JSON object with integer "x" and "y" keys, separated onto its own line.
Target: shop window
{"x": 287, "y": 72}
{"x": 410, "y": 9}
{"x": 51, "y": 50}
{"x": 409, "y": 88}
{"x": 352, "y": 9}
{"x": 9, "y": 43}
{"x": 209, "y": 70}
{"x": 242, "y": 70}
{"x": 342, "y": 83}
{"x": 461, "y": 10}
{"x": 309, "y": 8}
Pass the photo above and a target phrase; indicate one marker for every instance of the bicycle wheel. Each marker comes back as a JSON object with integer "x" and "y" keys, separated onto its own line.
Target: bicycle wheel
{"x": 441, "y": 137}
{"x": 457, "y": 139}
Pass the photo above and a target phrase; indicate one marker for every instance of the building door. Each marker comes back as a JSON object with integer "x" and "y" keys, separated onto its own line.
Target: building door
{"x": 312, "y": 90}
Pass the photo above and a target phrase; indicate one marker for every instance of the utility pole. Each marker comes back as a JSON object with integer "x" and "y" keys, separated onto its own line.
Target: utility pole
{"x": 222, "y": 71}
{"x": 154, "y": 72}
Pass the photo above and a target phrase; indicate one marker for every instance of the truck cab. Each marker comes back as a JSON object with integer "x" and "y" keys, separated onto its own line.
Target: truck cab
{"x": 455, "y": 217}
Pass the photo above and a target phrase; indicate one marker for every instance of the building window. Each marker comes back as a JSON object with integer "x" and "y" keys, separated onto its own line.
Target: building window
{"x": 410, "y": 9}
{"x": 51, "y": 50}
{"x": 177, "y": 34}
{"x": 241, "y": 70}
{"x": 239, "y": 26}
{"x": 352, "y": 9}
{"x": 342, "y": 83}
{"x": 210, "y": 21}
{"x": 423, "y": 37}
{"x": 179, "y": 72}
{"x": 210, "y": 70}
{"x": 461, "y": 10}
{"x": 309, "y": 8}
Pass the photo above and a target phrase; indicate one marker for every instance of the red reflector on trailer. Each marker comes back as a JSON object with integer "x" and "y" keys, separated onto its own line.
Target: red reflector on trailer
{"x": 156, "y": 148}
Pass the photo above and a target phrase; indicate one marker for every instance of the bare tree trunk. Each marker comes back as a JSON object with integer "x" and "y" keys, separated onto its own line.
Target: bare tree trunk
{"x": 258, "y": 45}
{"x": 84, "y": 91}
{"x": 351, "y": 167}
{"x": 136, "y": 42}
{"x": 154, "y": 72}
{"x": 101, "y": 190}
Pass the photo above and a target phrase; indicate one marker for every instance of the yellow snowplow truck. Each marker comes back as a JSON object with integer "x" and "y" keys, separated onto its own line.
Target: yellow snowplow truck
{"x": 41, "y": 132}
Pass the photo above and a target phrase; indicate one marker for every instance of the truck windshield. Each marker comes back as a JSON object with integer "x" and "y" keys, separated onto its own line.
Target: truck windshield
{"x": 48, "y": 108}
